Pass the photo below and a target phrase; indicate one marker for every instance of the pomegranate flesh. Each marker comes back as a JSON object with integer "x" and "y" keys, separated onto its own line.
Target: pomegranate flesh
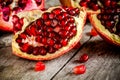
{"x": 48, "y": 34}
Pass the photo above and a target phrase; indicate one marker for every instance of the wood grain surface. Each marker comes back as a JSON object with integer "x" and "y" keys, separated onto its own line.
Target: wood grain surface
{"x": 103, "y": 63}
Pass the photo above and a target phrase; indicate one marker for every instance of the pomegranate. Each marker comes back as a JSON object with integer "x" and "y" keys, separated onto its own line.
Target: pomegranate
{"x": 92, "y": 6}
{"x": 48, "y": 34}
{"x": 8, "y": 8}
{"x": 107, "y": 23}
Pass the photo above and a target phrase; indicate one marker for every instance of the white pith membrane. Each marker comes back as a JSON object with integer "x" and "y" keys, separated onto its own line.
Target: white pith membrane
{"x": 8, "y": 25}
{"x": 105, "y": 33}
{"x": 32, "y": 16}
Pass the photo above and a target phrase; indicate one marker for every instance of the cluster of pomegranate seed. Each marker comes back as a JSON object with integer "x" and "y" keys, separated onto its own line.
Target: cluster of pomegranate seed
{"x": 5, "y": 6}
{"x": 110, "y": 18}
{"x": 97, "y": 4}
{"x": 81, "y": 69}
{"x": 50, "y": 32}
{"x": 17, "y": 23}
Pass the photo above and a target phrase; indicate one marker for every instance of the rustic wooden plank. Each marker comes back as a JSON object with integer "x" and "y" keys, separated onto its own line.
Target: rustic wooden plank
{"x": 12, "y": 67}
{"x": 103, "y": 64}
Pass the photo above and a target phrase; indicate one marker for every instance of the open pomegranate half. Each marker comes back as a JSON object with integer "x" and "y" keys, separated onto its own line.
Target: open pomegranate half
{"x": 48, "y": 34}
{"x": 8, "y": 8}
{"x": 107, "y": 23}
{"x": 92, "y": 6}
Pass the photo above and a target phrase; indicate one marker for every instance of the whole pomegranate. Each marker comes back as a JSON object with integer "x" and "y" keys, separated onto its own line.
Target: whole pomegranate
{"x": 48, "y": 34}
{"x": 8, "y": 8}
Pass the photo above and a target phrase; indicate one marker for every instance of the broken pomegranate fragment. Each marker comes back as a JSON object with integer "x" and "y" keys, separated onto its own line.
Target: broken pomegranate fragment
{"x": 9, "y": 8}
{"x": 45, "y": 38}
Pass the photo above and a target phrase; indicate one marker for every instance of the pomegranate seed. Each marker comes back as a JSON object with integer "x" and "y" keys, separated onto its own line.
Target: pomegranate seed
{"x": 83, "y": 4}
{"x": 44, "y": 40}
{"x": 19, "y": 40}
{"x": 15, "y": 19}
{"x": 17, "y": 26}
{"x": 36, "y": 51}
{"x": 93, "y": 32}
{"x": 23, "y": 36}
{"x": 6, "y": 11}
{"x": 21, "y": 21}
{"x": 84, "y": 58}
{"x": 50, "y": 42}
{"x": 57, "y": 46}
{"x": 95, "y": 7}
{"x": 79, "y": 69}
{"x": 77, "y": 11}
{"x": 25, "y": 47}
{"x": 33, "y": 30}
{"x": 47, "y": 22}
{"x": 45, "y": 16}
{"x": 51, "y": 16}
{"x": 54, "y": 23}
{"x": 38, "y": 2}
{"x": 39, "y": 22}
{"x": 51, "y": 50}
{"x": 51, "y": 34}
{"x": 57, "y": 11}
{"x": 64, "y": 42}
{"x": 6, "y": 17}
{"x": 107, "y": 3}
{"x": 40, "y": 66}
{"x": 22, "y": 3}
{"x": 42, "y": 50}
{"x": 38, "y": 38}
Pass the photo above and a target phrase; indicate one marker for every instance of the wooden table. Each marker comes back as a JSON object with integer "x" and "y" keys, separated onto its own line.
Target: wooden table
{"x": 103, "y": 63}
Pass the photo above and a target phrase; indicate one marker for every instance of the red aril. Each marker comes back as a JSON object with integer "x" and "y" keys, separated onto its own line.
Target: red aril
{"x": 40, "y": 66}
{"x": 9, "y": 8}
{"x": 45, "y": 38}
{"x": 84, "y": 58}
{"x": 80, "y": 69}
{"x": 93, "y": 32}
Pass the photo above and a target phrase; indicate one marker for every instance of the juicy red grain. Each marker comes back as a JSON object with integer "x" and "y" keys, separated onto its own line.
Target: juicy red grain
{"x": 57, "y": 11}
{"x": 25, "y": 47}
{"x": 64, "y": 42}
{"x": 38, "y": 2}
{"x": 84, "y": 58}
{"x": 15, "y": 19}
{"x": 40, "y": 66}
{"x": 79, "y": 69}
{"x": 42, "y": 50}
{"x": 23, "y": 36}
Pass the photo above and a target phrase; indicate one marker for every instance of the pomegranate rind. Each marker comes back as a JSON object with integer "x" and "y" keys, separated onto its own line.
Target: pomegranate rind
{"x": 104, "y": 33}
{"x": 7, "y": 26}
{"x": 80, "y": 23}
{"x": 72, "y": 3}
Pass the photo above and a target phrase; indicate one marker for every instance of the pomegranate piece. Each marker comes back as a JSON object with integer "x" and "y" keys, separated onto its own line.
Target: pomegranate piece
{"x": 84, "y": 58}
{"x": 44, "y": 37}
{"x": 40, "y": 66}
{"x": 8, "y": 8}
{"x": 81, "y": 69}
